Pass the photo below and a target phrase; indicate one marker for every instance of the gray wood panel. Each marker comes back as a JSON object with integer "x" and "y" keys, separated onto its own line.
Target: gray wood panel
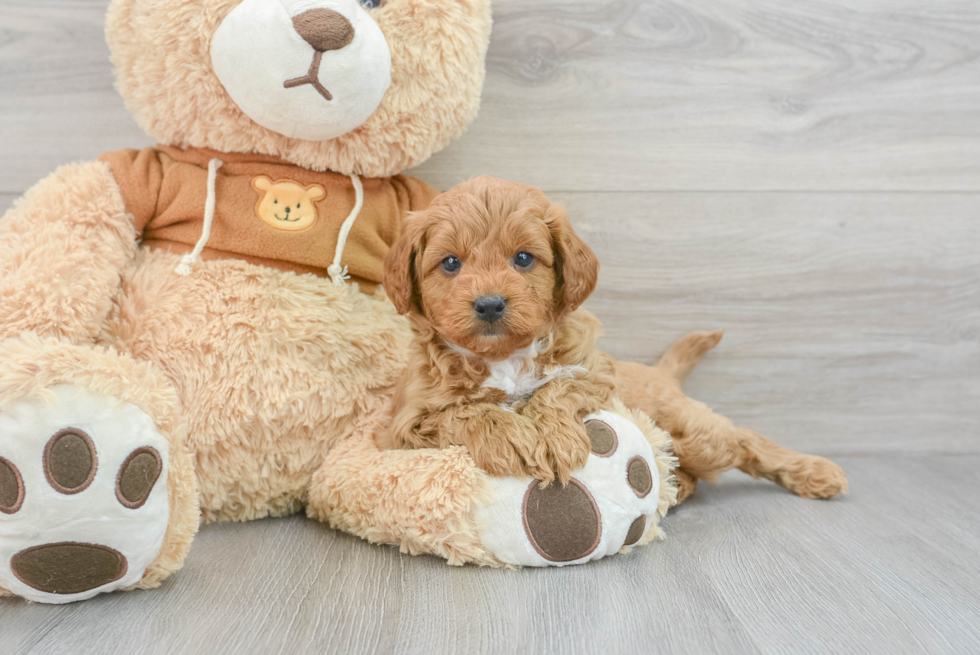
{"x": 626, "y": 94}
{"x": 729, "y": 95}
{"x": 746, "y": 567}
{"x": 852, "y": 320}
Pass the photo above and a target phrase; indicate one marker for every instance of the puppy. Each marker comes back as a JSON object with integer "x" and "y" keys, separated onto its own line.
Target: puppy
{"x": 503, "y": 362}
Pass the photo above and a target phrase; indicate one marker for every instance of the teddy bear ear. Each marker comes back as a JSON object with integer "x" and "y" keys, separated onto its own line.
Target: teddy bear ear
{"x": 261, "y": 183}
{"x": 316, "y": 192}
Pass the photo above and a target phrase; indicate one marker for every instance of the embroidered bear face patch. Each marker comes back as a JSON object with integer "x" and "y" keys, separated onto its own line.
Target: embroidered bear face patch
{"x": 286, "y": 205}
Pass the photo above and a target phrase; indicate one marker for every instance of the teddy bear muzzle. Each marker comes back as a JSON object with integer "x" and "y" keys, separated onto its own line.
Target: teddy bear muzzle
{"x": 306, "y": 70}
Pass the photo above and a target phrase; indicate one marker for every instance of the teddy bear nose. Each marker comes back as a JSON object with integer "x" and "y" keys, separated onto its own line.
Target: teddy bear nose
{"x": 324, "y": 29}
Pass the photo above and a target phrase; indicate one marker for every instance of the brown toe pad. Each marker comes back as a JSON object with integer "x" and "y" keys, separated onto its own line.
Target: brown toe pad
{"x": 137, "y": 475}
{"x": 68, "y": 567}
{"x": 11, "y": 487}
{"x": 70, "y": 461}
{"x": 562, "y": 523}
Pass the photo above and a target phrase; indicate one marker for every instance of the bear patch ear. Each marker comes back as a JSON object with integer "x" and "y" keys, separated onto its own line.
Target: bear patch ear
{"x": 261, "y": 183}
{"x": 315, "y": 192}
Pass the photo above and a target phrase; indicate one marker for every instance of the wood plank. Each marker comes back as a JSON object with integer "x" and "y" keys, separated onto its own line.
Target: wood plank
{"x": 625, "y": 95}
{"x": 746, "y": 567}
{"x": 58, "y": 104}
{"x": 728, "y": 95}
{"x": 852, "y": 319}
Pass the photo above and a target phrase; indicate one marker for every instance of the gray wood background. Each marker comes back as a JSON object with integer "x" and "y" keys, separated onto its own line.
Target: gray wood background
{"x": 804, "y": 175}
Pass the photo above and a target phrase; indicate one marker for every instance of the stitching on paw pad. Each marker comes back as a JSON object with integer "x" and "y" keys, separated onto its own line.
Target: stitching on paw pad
{"x": 68, "y": 567}
{"x": 636, "y": 530}
{"x": 137, "y": 475}
{"x": 562, "y": 523}
{"x": 70, "y": 462}
{"x": 638, "y": 476}
{"x": 11, "y": 487}
{"x": 603, "y": 438}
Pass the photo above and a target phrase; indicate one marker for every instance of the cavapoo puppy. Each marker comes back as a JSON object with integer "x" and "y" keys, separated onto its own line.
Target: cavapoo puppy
{"x": 503, "y": 362}
{"x": 491, "y": 276}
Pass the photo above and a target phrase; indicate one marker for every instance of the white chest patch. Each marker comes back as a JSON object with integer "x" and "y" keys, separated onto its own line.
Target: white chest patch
{"x": 518, "y": 376}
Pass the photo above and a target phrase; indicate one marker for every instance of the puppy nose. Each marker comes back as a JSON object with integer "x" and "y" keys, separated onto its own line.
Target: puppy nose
{"x": 324, "y": 29}
{"x": 490, "y": 308}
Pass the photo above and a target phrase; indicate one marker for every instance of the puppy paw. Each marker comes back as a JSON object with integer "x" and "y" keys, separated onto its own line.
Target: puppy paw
{"x": 505, "y": 446}
{"x": 561, "y": 449}
{"x": 609, "y": 505}
{"x": 815, "y": 477}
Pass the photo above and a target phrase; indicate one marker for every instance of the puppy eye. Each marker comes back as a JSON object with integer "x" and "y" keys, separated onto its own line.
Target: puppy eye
{"x": 275, "y": 202}
{"x": 372, "y": 4}
{"x": 523, "y": 259}
{"x": 451, "y": 264}
{"x": 297, "y": 205}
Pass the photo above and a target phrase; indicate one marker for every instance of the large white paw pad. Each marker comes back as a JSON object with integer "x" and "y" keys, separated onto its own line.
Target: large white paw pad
{"x": 83, "y": 509}
{"x": 607, "y": 504}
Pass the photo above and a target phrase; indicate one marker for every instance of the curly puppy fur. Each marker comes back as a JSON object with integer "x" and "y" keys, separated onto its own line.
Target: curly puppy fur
{"x": 449, "y": 394}
{"x": 449, "y": 380}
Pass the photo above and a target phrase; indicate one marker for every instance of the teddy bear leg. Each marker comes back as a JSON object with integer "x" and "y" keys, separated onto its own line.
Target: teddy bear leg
{"x": 425, "y": 501}
{"x": 97, "y": 489}
{"x": 706, "y": 443}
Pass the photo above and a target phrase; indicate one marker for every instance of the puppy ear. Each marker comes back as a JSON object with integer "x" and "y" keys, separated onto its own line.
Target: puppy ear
{"x": 576, "y": 266}
{"x": 399, "y": 273}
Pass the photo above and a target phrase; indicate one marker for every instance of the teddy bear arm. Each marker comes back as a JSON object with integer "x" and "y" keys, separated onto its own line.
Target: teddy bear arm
{"x": 424, "y": 501}
{"x": 62, "y": 248}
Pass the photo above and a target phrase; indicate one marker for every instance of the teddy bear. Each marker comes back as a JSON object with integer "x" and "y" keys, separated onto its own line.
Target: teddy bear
{"x": 195, "y": 331}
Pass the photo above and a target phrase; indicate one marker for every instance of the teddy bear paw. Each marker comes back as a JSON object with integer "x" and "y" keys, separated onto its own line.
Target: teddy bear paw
{"x": 609, "y": 504}
{"x": 83, "y": 498}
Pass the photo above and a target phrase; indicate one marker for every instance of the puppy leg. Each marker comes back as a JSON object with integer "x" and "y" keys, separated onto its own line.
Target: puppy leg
{"x": 707, "y": 443}
{"x": 686, "y": 484}
{"x": 558, "y": 409}
{"x": 500, "y": 442}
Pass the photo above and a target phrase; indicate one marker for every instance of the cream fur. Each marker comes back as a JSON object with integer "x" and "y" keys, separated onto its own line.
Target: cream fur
{"x": 422, "y": 500}
{"x": 271, "y": 369}
{"x": 61, "y": 249}
{"x": 437, "y": 70}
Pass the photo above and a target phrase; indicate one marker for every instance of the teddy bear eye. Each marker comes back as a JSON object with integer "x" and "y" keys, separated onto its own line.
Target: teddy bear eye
{"x": 297, "y": 205}
{"x": 275, "y": 202}
{"x": 372, "y": 4}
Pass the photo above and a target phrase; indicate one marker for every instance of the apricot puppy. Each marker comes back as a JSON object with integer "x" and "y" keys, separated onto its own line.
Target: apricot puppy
{"x": 491, "y": 276}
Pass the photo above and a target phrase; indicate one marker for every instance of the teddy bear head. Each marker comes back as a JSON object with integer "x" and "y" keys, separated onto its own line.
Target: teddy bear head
{"x": 355, "y": 86}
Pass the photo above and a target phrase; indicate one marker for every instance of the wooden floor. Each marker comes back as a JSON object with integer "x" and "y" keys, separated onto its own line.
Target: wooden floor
{"x": 804, "y": 175}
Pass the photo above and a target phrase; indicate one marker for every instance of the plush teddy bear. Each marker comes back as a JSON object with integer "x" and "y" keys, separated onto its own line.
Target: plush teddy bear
{"x": 195, "y": 330}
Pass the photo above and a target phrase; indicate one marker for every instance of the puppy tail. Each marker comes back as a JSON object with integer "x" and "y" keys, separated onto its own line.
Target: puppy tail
{"x": 681, "y": 358}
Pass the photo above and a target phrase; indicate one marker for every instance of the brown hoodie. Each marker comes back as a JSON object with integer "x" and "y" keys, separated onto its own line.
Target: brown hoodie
{"x": 267, "y": 211}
